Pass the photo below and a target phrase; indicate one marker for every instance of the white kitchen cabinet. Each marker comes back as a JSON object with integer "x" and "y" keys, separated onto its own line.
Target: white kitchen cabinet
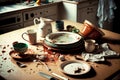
{"x": 88, "y": 13}
{"x": 41, "y": 11}
{"x": 78, "y": 12}
{"x": 10, "y": 21}
{"x": 51, "y": 12}
{"x": 69, "y": 11}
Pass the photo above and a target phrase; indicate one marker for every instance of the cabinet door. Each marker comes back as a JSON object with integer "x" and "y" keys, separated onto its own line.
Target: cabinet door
{"x": 51, "y": 12}
{"x": 43, "y": 11}
{"x": 10, "y": 28}
{"x": 70, "y": 11}
{"x": 89, "y": 13}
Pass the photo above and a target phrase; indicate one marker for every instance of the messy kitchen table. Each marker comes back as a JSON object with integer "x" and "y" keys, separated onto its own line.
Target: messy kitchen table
{"x": 11, "y": 71}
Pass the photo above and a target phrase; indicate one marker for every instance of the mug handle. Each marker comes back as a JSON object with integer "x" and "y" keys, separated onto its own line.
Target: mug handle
{"x": 36, "y": 19}
{"x": 23, "y": 36}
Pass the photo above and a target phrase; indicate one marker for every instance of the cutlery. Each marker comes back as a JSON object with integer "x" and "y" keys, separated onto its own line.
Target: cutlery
{"x": 49, "y": 77}
{"x": 63, "y": 78}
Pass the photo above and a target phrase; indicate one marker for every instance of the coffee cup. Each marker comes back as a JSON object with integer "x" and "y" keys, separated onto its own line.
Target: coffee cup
{"x": 90, "y": 45}
{"x": 32, "y": 35}
{"x": 59, "y": 25}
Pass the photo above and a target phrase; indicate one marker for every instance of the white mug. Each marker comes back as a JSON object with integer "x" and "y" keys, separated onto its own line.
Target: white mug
{"x": 32, "y": 36}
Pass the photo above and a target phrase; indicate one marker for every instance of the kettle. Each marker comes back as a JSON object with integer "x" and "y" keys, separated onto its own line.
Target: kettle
{"x": 44, "y": 26}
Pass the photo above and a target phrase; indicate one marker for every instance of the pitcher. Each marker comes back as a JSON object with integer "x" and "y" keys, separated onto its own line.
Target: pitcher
{"x": 44, "y": 26}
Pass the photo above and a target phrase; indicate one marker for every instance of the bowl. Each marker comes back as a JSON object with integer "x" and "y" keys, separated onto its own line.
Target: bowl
{"x": 20, "y": 47}
{"x": 91, "y": 31}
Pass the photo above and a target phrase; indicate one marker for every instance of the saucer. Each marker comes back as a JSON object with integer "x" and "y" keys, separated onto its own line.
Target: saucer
{"x": 15, "y": 55}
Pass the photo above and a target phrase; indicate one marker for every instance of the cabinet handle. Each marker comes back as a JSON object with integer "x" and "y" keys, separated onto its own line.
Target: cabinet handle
{"x": 32, "y": 15}
{"x": 46, "y": 11}
{"x": 40, "y": 12}
{"x": 89, "y": 8}
{"x": 90, "y": 2}
{"x": 26, "y": 16}
{"x": 89, "y": 12}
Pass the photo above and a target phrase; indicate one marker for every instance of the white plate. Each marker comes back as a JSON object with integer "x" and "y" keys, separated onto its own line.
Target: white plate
{"x": 75, "y": 67}
{"x": 63, "y": 38}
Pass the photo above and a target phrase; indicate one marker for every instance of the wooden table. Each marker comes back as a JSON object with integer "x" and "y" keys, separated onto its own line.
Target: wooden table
{"x": 10, "y": 71}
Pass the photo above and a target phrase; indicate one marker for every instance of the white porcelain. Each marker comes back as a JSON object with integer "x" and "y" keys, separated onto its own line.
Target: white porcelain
{"x": 44, "y": 26}
{"x": 32, "y": 35}
{"x": 90, "y": 45}
{"x": 63, "y": 38}
{"x": 75, "y": 67}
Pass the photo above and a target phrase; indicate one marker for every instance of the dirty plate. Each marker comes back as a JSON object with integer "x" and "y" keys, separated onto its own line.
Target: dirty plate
{"x": 63, "y": 38}
{"x": 75, "y": 67}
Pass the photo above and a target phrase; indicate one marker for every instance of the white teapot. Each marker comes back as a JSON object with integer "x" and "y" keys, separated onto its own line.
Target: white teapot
{"x": 44, "y": 26}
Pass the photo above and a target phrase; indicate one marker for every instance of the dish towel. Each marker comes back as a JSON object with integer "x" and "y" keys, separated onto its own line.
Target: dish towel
{"x": 105, "y": 11}
{"x": 104, "y": 53}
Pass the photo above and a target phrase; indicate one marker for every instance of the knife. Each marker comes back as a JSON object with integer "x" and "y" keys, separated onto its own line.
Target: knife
{"x": 49, "y": 77}
{"x": 63, "y": 78}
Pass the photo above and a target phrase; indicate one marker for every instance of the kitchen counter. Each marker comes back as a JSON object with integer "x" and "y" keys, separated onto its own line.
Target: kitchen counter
{"x": 22, "y": 6}
{"x": 10, "y": 71}
{"x": 32, "y": 4}
{"x": 78, "y": 1}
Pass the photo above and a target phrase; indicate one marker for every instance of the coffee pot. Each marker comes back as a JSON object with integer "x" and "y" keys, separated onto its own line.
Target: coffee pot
{"x": 44, "y": 26}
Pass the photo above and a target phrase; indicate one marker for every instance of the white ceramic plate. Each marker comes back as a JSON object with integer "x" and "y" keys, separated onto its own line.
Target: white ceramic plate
{"x": 63, "y": 38}
{"x": 75, "y": 67}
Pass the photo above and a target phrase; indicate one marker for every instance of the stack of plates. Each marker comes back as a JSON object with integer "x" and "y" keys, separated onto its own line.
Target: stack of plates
{"x": 64, "y": 41}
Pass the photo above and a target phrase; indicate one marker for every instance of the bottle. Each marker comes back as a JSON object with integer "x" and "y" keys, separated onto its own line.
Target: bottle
{"x": 38, "y": 2}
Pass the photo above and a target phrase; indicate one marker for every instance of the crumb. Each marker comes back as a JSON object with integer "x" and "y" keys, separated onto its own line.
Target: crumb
{"x": 21, "y": 65}
{"x": 4, "y": 47}
{"x": 37, "y": 48}
{"x": 33, "y": 71}
{"x": 38, "y": 64}
{"x": 3, "y": 51}
{"x": 14, "y": 42}
{"x": 5, "y": 59}
{"x": 1, "y": 65}
{"x": 30, "y": 73}
{"x": 78, "y": 70}
{"x": 8, "y": 45}
{"x": 96, "y": 66}
{"x": 11, "y": 48}
{"x": 10, "y": 70}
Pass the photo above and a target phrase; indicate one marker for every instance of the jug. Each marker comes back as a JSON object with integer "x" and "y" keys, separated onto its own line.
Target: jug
{"x": 44, "y": 26}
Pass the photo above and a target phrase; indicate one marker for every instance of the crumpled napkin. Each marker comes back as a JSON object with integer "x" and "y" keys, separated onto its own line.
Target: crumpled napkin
{"x": 105, "y": 52}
